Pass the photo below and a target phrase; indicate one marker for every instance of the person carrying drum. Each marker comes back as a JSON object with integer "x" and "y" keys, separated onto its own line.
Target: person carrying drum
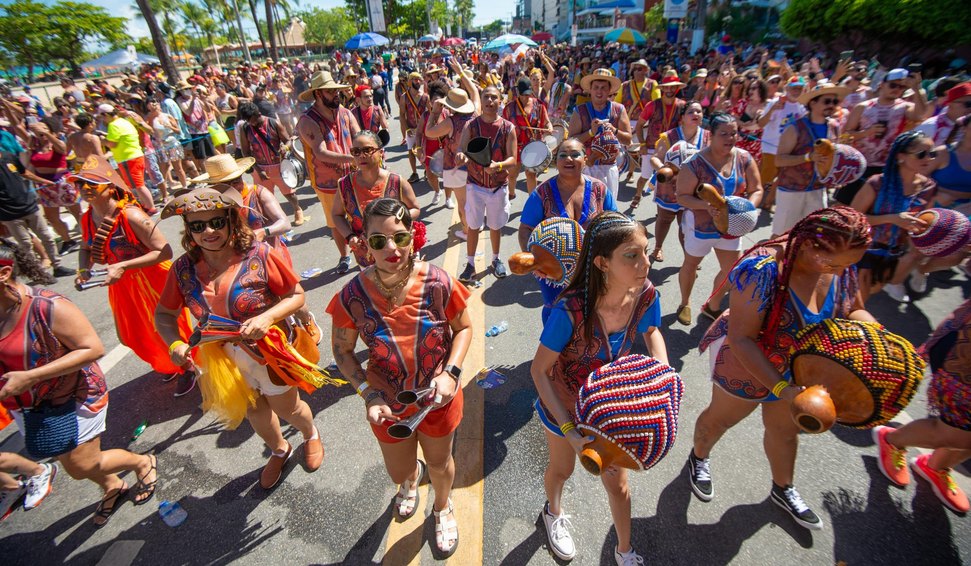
{"x": 416, "y": 311}
{"x": 777, "y": 288}
{"x": 369, "y": 115}
{"x": 529, "y": 116}
{"x": 263, "y": 139}
{"x": 657, "y": 117}
{"x": 607, "y": 305}
{"x": 411, "y": 105}
{"x": 428, "y": 150}
{"x": 603, "y": 127}
{"x": 447, "y": 127}
{"x": 487, "y": 192}
{"x": 635, "y": 94}
{"x": 325, "y": 130}
{"x": 948, "y": 428}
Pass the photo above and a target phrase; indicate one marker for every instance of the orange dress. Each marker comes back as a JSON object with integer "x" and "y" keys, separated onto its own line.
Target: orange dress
{"x": 134, "y": 297}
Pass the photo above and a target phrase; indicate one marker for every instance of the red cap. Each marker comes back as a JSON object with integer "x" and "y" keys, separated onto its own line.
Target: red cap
{"x": 960, "y": 91}
{"x": 359, "y": 89}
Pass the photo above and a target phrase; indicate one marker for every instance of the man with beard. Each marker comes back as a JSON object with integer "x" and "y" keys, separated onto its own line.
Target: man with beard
{"x": 412, "y": 105}
{"x": 326, "y": 130}
{"x": 798, "y": 188}
{"x": 486, "y": 202}
{"x": 657, "y": 117}
{"x": 603, "y": 127}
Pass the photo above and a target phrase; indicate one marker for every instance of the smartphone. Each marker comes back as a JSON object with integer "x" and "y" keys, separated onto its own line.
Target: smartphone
{"x": 915, "y": 68}
{"x": 846, "y": 55}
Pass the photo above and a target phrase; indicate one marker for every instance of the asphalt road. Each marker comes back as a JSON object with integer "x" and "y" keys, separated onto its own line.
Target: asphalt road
{"x": 342, "y": 515}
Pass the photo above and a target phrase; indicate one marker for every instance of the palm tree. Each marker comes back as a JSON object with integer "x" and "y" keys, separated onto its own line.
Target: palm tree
{"x": 270, "y": 30}
{"x": 161, "y": 49}
{"x": 256, "y": 20}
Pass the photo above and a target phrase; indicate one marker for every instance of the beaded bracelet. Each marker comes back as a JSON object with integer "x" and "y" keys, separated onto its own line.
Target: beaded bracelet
{"x": 777, "y": 389}
{"x": 567, "y": 427}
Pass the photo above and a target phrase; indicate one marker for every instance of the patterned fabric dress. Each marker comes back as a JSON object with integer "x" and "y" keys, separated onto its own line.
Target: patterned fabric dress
{"x": 356, "y": 198}
{"x": 948, "y": 351}
{"x": 133, "y": 298}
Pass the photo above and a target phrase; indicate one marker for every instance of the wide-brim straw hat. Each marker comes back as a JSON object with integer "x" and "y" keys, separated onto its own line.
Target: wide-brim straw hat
{"x": 670, "y": 78}
{"x": 640, "y": 63}
{"x": 434, "y": 69}
{"x": 202, "y": 199}
{"x": 823, "y": 88}
{"x": 223, "y": 168}
{"x": 457, "y": 100}
{"x": 321, "y": 80}
{"x": 600, "y": 75}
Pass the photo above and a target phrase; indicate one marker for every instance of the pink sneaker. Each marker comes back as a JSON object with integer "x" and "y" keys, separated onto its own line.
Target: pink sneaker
{"x": 892, "y": 460}
{"x": 945, "y": 489}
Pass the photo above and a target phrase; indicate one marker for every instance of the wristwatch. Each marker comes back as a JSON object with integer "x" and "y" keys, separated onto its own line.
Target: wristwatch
{"x": 454, "y": 371}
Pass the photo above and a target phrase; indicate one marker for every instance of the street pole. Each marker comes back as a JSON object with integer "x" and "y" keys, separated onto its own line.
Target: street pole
{"x": 242, "y": 36}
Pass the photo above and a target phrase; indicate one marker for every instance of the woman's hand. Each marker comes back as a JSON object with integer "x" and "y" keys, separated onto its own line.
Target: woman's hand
{"x": 790, "y": 392}
{"x": 256, "y": 327}
{"x": 114, "y": 273}
{"x": 445, "y": 389}
{"x": 378, "y": 412}
{"x": 180, "y": 354}
{"x": 577, "y": 440}
{"x": 15, "y": 383}
{"x": 909, "y": 222}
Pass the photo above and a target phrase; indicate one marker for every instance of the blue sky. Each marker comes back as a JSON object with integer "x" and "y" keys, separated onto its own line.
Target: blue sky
{"x": 485, "y": 11}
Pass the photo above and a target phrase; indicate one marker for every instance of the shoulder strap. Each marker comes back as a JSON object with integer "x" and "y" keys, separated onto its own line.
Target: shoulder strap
{"x": 101, "y": 237}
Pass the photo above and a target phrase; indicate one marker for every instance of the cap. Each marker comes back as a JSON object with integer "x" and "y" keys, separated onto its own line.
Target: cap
{"x": 105, "y": 109}
{"x": 960, "y": 91}
{"x": 896, "y": 75}
{"x": 796, "y": 82}
{"x": 523, "y": 86}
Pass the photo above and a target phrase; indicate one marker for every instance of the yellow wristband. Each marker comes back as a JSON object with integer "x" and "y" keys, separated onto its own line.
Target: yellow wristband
{"x": 175, "y": 345}
{"x": 567, "y": 427}
{"x": 500, "y": 167}
{"x": 777, "y": 389}
{"x": 362, "y": 387}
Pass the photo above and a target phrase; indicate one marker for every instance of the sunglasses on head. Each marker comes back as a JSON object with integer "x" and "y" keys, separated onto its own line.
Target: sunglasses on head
{"x": 925, "y": 153}
{"x": 380, "y": 241}
{"x": 365, "y": 151}
{"x": 199, "y": 226}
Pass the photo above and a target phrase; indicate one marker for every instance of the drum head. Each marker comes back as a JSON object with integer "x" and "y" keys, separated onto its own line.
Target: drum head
{"x": 534, "y": 154}
{"x": 297, "y": 146}
{"x": 550, "y": 141}
{"x": 623, "y": 161}
{"x": 288, "y": 170}
{"x": 559, "y": 132}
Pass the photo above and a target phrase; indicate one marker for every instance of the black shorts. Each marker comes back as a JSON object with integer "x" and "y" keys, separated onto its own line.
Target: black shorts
{"x": 202, "y": 147}
{"x": 845, "y": 194}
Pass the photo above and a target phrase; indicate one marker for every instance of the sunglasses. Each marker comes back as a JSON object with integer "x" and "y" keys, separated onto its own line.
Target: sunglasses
{"x": 365, "y": 151}
{"x": 379, "y": 241}
{"x": 97, "y": 187}
{"x": 925, "y": 153}
{"x": 199, "y": 226}
{"x": 569, "y": 155}
{"x": 830, "y": 101}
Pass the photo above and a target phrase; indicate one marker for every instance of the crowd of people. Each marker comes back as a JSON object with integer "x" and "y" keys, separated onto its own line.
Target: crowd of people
{"x": 745, "y": 120}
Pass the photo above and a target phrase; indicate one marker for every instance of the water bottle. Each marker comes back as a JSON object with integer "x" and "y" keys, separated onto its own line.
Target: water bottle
{"x": 497, "y": 329}
{"x": 172, "y": 513}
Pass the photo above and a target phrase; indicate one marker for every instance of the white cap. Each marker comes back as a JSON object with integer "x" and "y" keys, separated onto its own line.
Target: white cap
{"x": 105, "y": 109}
{"x": 896, "y": 75}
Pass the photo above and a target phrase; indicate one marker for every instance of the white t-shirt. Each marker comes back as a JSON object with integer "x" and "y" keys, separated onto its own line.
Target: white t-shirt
{"x": 938, "y": 128}
{"x": 780, "y": 120}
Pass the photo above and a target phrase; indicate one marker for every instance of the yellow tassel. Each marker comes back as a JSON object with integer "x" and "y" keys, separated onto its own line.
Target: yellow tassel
{"x": 224, "y": 390}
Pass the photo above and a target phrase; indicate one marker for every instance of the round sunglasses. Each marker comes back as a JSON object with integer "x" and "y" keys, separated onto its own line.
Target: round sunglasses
{"x": 199, "y": 226}
{"x": 380, "y": 241}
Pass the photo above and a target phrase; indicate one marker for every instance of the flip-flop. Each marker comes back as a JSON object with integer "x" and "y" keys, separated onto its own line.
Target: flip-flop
{"x": 141, "y": 488}
{"x": 104, "y": 511}
{"x": 412, "y": 493}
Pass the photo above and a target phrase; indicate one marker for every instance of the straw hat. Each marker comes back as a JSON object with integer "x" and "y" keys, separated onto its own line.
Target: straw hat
{"x": 222, "y": 168}
{"x": 183, "y": 85}
{"x": 640, "y": 63}
{"x": 434, "y": 69}
{"x": 823, "y": 87}
{"x": 600, "y": 75}
{"x": 201, "y": 200}
{"x": 322, "y": 80}
{"x": 97, "y": 170}
{"x": 671, "y": 78}
{"x": 457, "y": 100}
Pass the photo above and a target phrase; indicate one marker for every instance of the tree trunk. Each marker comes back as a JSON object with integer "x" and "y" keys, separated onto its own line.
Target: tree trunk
{"x": 271, "y": 30}
{"x": 161, "y": 49}
{"x": 256, "y": 20}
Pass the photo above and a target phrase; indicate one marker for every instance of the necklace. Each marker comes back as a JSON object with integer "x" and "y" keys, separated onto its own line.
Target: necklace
{"x": 390, "y": 293}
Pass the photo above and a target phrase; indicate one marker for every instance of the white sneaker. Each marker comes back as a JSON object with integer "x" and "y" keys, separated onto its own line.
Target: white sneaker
{"x": 461, "y": 235}
{"x": 897, "y": 292}
{"x": 450, "y": 203}
{"x": 9, "y": 497}
{"x": 629, "y": 558}
{"x": 40, "y": 486}
{"x": 918, "y": 282}
{"x": 558, "y": 534}
{"x": 437, "y": 197}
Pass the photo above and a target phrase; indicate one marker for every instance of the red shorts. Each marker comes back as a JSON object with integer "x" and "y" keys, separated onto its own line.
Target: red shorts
{"x": 440, "y": 422}
{"x": 133, "y": 172}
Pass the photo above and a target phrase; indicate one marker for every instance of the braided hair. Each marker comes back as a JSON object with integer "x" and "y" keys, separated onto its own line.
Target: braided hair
{"x": 831, "y": 229}
{"x": 605, "y": 233}
{"x": 890, "y": 196}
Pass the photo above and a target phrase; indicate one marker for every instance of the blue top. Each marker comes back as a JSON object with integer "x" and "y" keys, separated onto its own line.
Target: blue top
{"x": 828, "y": 310}
{"x": 559, "y": 329}
{"x": 953, "y": 177}
{"x": 9, "y": 143}
{"x": 171, "y": 108}
{"x": 819, "y": 131}
{"x": 533, "y": 212}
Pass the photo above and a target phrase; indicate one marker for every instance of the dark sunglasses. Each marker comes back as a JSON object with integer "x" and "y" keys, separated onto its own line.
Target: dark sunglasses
{"x": 365, "y": 151}
{"x": 199, "y": 226}
{"x": 830, "y": 101}
{"x": 379, "y": 241}
{"x": 925, "y": 153}
{"x": 97, "y": 187}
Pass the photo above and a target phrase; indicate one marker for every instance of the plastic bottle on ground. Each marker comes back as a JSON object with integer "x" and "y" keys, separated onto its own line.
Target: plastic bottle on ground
{"x": 172, "y": 513}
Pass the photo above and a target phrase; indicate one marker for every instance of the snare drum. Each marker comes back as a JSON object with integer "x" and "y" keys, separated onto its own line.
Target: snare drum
{"x": 550, "y": 141}
{"x": 297, "y": 147}
{"x": 623, "y": 161}
{"x": 536, "y": 157}
{"x": 561, "y": 128}
{"x": 293, "y": 172}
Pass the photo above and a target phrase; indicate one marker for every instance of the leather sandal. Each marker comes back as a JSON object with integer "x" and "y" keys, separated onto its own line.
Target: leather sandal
{"x": 108, "y": 506}
{"x": 444, "y": 528}
{"x": 408, "y": 492}
{"x": 657, "y": 256}
{"x": 142, "y": 487}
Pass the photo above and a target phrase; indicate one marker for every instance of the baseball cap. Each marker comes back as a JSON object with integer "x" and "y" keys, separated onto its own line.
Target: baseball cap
{"x": 896, "y": 75}
{"x": 524, "y": 87}
{"x": 796, "y": 82}
{"x": 105, "y": 109}
{"x": 960, "y": 91}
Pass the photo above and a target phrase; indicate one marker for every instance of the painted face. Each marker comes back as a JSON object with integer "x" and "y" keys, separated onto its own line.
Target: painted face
{"x": 570, "y": 157}
{"x": 389, "y": 242}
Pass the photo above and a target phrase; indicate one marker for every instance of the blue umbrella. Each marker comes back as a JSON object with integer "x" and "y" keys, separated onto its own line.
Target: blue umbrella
{"x": 508, "y": 40}
{"x": 365, "y": 40}
{"x": 427, "y": 38}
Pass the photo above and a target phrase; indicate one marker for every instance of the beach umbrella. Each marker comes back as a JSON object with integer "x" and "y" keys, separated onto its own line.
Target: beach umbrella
{"x": 508, "y": 39}
{"x": 542, "y": 36}
{"x": 625, "y": 35}
{"x": 365, "y": 40}
{"x": 450, "y": 41}
{"x": 427, "y": 39}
